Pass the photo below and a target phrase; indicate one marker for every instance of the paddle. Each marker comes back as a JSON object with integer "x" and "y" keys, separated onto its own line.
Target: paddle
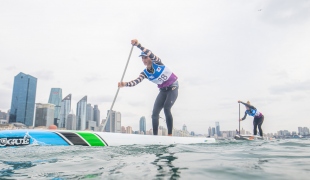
{"x": 109, "y": 114}
{"x": 239, "y": 119}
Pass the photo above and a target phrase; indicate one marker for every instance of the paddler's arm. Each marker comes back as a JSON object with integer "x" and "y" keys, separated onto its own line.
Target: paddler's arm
{"x": 133, "y": 82}
{"x": 245, "y": 114}
{"x": 246, "y": 104}
{"x": 146, "y": 51}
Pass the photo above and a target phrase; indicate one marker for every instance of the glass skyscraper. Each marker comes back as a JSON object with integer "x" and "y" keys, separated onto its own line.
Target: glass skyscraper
{"x": 97, "y": 115}
{"x": 23, "y": 99}
{"x": 89, "y": 113}
{"x": 55, "y": 98}
{"x": 143, "y": 124}
{"x": 217, "y": 127}
{"x": 107, "y": 127}
{"x": 209, "y": 131}
{"x": 213, "y": 131}
{"x": 81, "y": 114}
{"x": 64, "y": 111}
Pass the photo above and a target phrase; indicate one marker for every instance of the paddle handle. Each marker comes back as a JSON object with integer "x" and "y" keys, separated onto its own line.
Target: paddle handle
{"x": 109, "y": 113}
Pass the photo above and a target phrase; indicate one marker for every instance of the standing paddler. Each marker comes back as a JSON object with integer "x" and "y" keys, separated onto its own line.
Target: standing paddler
{"x": 258, "y": 117}
{"x": 166, "y": 81}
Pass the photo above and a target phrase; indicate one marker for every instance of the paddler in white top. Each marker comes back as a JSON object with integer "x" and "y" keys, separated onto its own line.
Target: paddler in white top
{"x": 166, "y": 81}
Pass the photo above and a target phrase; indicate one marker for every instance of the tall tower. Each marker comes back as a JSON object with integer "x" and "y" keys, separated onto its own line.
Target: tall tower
{"x": 209, "y": 131}
{"x": 107, "y": 127}
{"x": 300, "y": 131}
{"x": 23, "y": 99}
{"x": 89, "y": 112}
{"x": 213, "y": 131}
{"x": 96, "y": 115}
{"x": 64, "y": 111}
{"x": 217, "y": 127}
{"x": 143, "y": 124}
{"x": 55, "y": 98}
{"x": 118, "y": 122}
{"x": 71, "y": 121}
{"x": 81, "y": 114}
{"x": 114, "y": 123}
{"x": 44, "y": 115}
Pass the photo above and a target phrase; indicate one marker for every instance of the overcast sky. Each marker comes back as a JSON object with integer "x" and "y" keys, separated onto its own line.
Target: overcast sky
{"x": 222, "y": 52}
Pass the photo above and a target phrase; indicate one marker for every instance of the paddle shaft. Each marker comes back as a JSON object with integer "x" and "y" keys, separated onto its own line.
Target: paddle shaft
{"x": 239, "y": 119}
{"x": 109, "y": 113}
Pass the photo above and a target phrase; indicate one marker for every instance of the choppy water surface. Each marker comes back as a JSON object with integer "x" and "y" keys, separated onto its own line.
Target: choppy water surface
{"x": 279, "y": 159}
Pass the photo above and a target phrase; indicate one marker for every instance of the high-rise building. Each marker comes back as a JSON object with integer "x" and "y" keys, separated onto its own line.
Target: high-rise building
{"x": 64, "y": 111}
{"x": 118, "y": 122}
{"x": 55, "y": 98}
{"x": 305, "y": 131}
{"x": 300, "y": 132}
{"x": 217, "y": 127}
{"x": 44, "y": 115}
{"x": 123, "y": 129}
{"x": 143, "y": 125}
{"x": 213, "y": 131}
{"x": 81, "y": 114}
{"x": 129, "y": 130}
{"x": 96, "y": 115}
{"x": 114, "y": 122}
{"x": 8, "y": 115}
{"x": 89, "y": 112}
{"x": 91, "y": 125}
{"x": 71, "y": 121}
{"x": 209, "y": 131}
{"x": 23, "y": 99}
{"x": 3, "y": 115}
{"x": 184, "y": 128}
{"x": 107, "y": 127}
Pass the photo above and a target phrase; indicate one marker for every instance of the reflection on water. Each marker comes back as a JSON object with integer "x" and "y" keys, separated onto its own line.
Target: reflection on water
{"x": 164, "y": 162}
{"x": 280, "y": 159}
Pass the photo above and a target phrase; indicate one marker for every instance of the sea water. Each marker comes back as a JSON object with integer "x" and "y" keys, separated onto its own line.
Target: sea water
{"x": 225, "y": 159}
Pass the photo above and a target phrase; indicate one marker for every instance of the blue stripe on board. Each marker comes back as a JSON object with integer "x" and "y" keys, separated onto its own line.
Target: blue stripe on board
{"x": 37, "y": 137}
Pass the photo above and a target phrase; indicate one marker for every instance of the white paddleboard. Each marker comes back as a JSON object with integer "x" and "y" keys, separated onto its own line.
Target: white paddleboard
{"x": 24, "y": 137}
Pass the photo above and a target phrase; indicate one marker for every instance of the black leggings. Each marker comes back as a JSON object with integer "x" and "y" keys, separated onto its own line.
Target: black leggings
{"x": 165, "y": 99}
{"x": 258, "y": 122}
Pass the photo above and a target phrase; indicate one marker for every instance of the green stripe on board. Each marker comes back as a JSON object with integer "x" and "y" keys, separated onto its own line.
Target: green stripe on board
{"x": 91, "y": 138}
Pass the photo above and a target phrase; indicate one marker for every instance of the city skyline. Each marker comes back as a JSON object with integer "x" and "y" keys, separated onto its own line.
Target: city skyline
{"x": 216, "y": 128}
{"x": 45, "y": 115}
